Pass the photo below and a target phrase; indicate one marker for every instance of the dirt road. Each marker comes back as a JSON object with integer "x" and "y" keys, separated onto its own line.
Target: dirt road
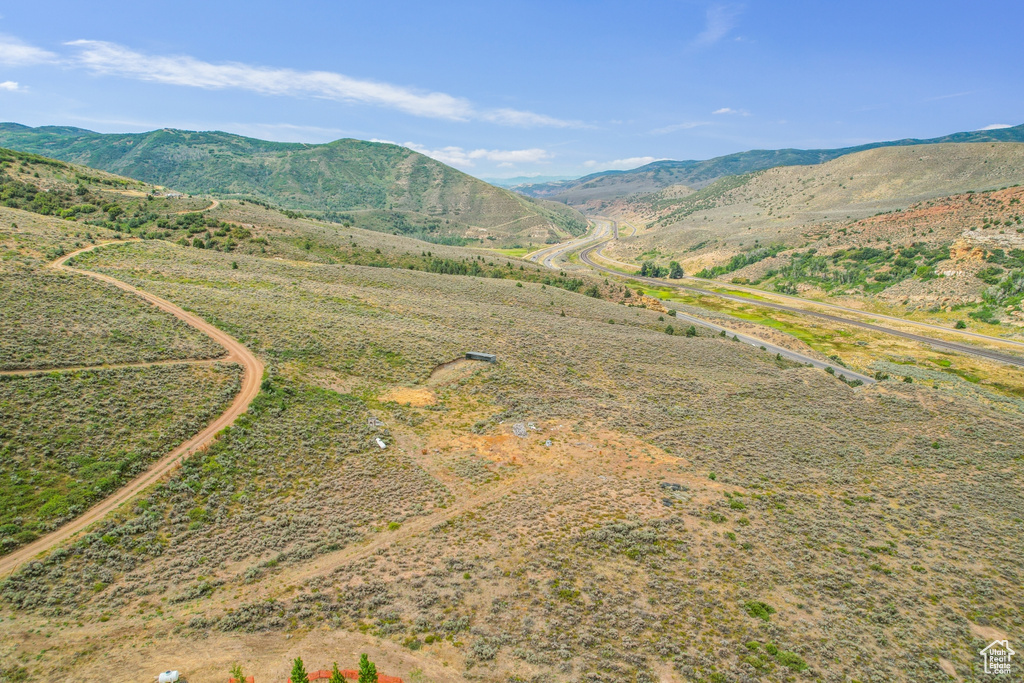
{"x": 214, "y": 203}
{"x": 237, "y": 353}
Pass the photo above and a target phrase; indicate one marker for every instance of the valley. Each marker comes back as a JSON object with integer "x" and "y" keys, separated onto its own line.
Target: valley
{"x": 660, "y": 479}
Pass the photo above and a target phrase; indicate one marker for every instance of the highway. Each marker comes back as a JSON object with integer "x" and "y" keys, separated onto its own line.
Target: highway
{"x": 604, "y": 231}
{"x": 549, "y": 255}
{"x": 812, "y": 302}
{"x": 938, "y": 343}
{"x": 773, "y": 348}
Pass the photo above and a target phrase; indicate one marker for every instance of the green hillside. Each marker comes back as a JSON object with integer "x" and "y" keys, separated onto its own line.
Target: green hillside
{"x": 599, "y": 188}
{"x": 335, "y": 181}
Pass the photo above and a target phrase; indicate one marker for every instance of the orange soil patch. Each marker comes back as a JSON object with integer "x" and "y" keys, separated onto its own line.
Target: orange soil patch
{"x": 414, "y": 396}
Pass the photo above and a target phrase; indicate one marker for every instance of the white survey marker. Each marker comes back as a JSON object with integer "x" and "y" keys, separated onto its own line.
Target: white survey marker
{"x": 381, "y": 444}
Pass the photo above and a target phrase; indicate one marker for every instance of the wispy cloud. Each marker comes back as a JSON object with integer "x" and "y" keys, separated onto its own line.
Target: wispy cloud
{"x": 721, "y": 18}
{"x": 997, "y": 126}
{"x": 686, "y": 125}
{"x": 14, "y": 52}
{"x": 110, "y": 59}
{"x": 115, "y": 60}
{"x": 467, "y": 158}
{"x": 622, "y": 164}
{"x": 950, "y": 96}
{"x": 10, "y": 86}
{"x": 730, "y": 110}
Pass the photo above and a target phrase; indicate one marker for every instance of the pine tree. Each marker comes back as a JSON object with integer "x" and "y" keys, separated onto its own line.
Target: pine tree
{"x": 336, "y": 676}
{"x": 299, "y": 672}
{"x": 367, "y": 670}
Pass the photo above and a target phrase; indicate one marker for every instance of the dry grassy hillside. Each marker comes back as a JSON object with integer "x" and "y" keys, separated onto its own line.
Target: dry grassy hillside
{"x": 973, "y": 238}
{"x": 880, "y": 223}
{"x": 779, "y": 204}
{"x": 606, "y": 503}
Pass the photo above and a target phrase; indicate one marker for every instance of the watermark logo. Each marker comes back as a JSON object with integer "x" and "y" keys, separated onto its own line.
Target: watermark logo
{"x": 997, "y": 657}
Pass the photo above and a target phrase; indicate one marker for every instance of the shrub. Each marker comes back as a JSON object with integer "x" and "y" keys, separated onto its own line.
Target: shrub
{"x": 756, "y": 608}
{"x": 792, "y": 660}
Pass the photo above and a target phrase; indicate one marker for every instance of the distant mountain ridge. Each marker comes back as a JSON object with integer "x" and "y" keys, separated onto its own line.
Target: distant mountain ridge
{"x": 598, "y": 188}
{"x": 387, "y": 187}
{"x": 527, "y": 180}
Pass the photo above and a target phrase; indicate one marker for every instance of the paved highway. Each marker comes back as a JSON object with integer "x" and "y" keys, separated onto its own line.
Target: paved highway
{"x": 549, "y": 255}
{"x": 604, "y": 229}
{"x": 821, "y": 304}
{"x": 939, "y": 343}
{"x": 773, "y": 348}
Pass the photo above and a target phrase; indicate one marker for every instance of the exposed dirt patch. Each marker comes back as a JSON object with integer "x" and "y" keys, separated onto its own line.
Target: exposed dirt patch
{"x": 414, "y": 396}
{"x": 987, "y": 633}
{"x": 453, "y": 371}
{"x": 947, "y": 667}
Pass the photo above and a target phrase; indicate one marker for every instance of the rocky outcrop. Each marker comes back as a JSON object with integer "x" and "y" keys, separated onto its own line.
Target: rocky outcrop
{"x": 974, "y": 244}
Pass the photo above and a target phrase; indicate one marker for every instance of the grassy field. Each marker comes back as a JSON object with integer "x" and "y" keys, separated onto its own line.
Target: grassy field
{"x": 608, "y": 502}
{"x": 511, "y": 557}
{"x": 68, "y": 439}
{"x": 52, "y": 319}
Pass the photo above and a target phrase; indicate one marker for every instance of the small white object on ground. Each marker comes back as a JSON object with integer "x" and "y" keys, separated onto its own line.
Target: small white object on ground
{"x": 381, "y": 444}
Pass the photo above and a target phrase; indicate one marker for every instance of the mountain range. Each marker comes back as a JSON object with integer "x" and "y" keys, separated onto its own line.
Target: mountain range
{"x": 595, "y": 190}
{"x": 374, "y": 185}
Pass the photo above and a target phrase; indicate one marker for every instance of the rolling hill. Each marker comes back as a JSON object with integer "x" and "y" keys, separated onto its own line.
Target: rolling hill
{"x": 594, "y": 191}
{"x": 879, "y": 223}
{"x": 607, "y": 502}
{"x": 374, "y": 185}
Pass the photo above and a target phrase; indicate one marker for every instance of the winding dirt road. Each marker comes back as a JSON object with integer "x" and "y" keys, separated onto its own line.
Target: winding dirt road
{"x": 237, "y": 353}
{"x": 214, "y": 203}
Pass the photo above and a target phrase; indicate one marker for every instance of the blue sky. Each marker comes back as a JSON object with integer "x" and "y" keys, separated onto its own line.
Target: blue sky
{"x": 506, "y": 89}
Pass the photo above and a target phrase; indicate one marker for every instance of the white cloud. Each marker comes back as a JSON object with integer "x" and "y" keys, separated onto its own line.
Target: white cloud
{"x": 686, "y": 125}
{"x": 622, "y": 164}
{"x": 526, "y": 119}
{"x": 13, "y": 52}
{"x": 730, "y": 110}
{"x": 115, "y": 60}
{"x": 721, "y": 19}
{"x": 10, "y": 86}
{"x": 950, "y": 96}
{"x": 997, "y": 126}
{"x": 286, "y": 132}
{"x": 467, "y": 158}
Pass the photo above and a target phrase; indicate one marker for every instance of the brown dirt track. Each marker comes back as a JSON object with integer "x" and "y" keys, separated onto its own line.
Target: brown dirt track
{"x": 251, "y": 379}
